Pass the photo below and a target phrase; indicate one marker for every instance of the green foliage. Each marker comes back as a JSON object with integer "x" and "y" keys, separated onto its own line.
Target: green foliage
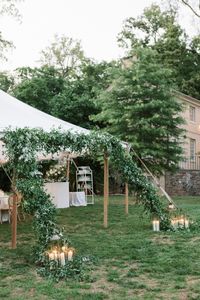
{"x": 22, "y": 146}
{"x": 38, "y": 86}
{"x": 6, "y": 81}
{"x": 70, "y": 99}
{"x": 140, "y": 109}
{"x": 159, "y": 30}
{"x": 64, "y": 54}
{"x": 72, "y": 269}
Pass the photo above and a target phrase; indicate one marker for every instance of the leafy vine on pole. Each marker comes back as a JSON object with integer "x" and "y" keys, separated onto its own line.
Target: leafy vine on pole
{"x": 22, "y": 148}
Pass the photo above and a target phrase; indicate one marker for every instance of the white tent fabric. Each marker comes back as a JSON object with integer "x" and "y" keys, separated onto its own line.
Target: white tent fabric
{"x": 16, "y": 114}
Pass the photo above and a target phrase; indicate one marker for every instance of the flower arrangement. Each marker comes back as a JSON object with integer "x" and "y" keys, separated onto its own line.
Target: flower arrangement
{"x": 56, "y": 173}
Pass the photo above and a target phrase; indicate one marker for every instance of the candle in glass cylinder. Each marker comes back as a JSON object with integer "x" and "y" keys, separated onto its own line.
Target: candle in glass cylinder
{"x": 55, "y": 252}
{"x": 171, "y": 206}
{"x": 156, "y": 225}
{"x": 181, "y": 221}
{"x": 70, "y": 255}
{"x": 186, "y": 223}
{"x": 64, "y": 248}
{"x": 62, "y": 258}
{"x": 174, "y": 223}
{"x": 51, "y": 256}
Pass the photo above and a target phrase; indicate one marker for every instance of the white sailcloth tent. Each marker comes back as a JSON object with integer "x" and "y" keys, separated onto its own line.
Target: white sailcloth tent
{"x": 16, "y": 114}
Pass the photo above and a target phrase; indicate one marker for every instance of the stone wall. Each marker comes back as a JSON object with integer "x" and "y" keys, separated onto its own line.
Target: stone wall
{"x": 183, "y": 183}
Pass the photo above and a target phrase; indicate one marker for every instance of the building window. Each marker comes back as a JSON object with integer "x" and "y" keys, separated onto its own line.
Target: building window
{"x": 192, "y": 113}
{"x": 192, "y": 149}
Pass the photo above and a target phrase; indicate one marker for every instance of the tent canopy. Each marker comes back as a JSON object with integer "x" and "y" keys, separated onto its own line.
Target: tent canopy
{"x": 17, "y": 114}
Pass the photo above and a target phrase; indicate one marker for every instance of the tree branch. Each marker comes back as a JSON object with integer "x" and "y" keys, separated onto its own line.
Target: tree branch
{"x": 191, "y": 8}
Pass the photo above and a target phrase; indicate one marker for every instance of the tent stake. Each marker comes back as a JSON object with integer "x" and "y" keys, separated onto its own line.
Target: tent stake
{"x": 106, "y": 187}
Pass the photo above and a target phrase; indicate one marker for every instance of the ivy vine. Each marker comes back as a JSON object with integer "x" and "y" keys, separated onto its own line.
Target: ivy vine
{"x": 22, "y": 147}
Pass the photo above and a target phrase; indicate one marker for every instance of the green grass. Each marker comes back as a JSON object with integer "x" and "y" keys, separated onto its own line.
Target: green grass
{"x": 132, "y": 261}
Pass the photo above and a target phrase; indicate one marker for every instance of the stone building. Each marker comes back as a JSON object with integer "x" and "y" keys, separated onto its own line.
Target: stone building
{"x": 186, "y": 181}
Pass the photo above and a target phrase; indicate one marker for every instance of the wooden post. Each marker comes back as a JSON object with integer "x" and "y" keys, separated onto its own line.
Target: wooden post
{"x": 14, "y": 221}
{"x": 68, "y": 168}
{"x": 106, "y": 187}
{"x": 126, "y": 198}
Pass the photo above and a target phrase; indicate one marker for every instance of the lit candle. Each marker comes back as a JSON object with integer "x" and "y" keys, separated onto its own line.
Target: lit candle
{"x": 64, "y": 248}
{"x": 186, "y": 223}
{"x": 70, "y": 255}
{"x": 51, "y": 256}
{"x": 181, "y": 221}
{"x": 55, "y": 252}
{"x": 174, "y": 223}
{"x": 62, "y": 258}
{"x": 171, "y": 206}
{"x": 156, "y": 225}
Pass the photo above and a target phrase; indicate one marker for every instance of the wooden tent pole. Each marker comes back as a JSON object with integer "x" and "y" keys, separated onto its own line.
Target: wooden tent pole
{"x": 106, "y": 187}
{"x": 14, "y": 221}
{"x": 14, "y": 211}
{"x": 68, "y": 168}
{"x": 126, "y": 198}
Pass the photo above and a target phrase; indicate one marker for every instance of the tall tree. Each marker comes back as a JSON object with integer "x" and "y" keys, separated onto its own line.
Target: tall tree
{"x": 64, "y": 54}
{"x": 38, "y": 86}
{"x": 160, "y": 31}
{"x": 65, "y": 98}
{"x": 76, "y": 102}
{"x": 139, "y": 108}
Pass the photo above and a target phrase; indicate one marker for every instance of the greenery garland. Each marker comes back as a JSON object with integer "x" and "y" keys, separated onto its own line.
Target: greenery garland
{"x": 22, "y": 148}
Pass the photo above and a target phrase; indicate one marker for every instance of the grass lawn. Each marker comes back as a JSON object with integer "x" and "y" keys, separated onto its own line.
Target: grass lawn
{"x": 132, "y": 261}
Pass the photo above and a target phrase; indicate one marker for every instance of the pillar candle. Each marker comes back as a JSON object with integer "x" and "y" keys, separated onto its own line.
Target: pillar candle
{"x": 51, "y": 256}
{"x": 181, "y": 222}
{"x": 55, "y": 255}
{"x": 186, "y": 223}
{"x": 64, "y": 248}
{"x": 62, "y": 258}
{"x": 156, "y": 225}
{"x": 70, "y": 255}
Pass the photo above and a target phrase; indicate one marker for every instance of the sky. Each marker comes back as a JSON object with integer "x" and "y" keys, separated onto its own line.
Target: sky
{"x": 95, "y": 23}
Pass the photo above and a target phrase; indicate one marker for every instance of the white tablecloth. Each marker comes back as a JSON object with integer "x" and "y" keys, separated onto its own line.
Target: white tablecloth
{"x": 77, "y": 199}
{"x": 4, "y": 209}
{"x": 59, "y": 192}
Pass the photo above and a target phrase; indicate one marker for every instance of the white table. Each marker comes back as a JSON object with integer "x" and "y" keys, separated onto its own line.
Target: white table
{"x": 4, "y": 209}
{"x": 77, "y": 199}
{"x": 59, "y": 192}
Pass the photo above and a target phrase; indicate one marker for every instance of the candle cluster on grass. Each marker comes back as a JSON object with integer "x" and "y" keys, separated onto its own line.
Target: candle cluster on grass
{"x": 180, "y": 222}
{"x": 61, "y": 255}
